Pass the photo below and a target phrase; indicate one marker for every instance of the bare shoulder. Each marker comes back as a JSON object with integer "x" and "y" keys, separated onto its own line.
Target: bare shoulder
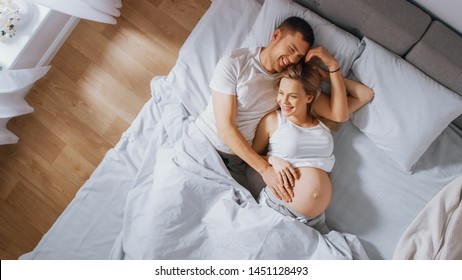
{"x": 266, "y": 127}
{"x": 270, "y": 121}
{"x": 271, "y": 117}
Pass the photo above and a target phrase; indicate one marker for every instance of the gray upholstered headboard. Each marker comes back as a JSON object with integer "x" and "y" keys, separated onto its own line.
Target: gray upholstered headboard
{"x": 404, "y": 29}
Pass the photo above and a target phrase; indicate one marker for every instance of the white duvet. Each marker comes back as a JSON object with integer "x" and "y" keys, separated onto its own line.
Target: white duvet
{"x": 190, "y": 207}
{"x": 435, "y": 233}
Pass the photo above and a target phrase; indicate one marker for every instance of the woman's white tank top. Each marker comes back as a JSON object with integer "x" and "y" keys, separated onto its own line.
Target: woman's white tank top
{"x": 303, "y": 147}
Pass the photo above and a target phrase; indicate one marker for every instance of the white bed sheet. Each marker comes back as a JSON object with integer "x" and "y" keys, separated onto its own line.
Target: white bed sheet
{"x": 376, "y": 200}
{"x": 372, "y": 199}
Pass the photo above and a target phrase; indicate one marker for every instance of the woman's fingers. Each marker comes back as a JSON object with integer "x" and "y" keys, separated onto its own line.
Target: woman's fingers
{"x": 313, "y": 52}
{"x": 309, "y": 56}
{"x": 322, "y": 55}
{"x": 289, "y": 175}
{"x": 293, "y": 175}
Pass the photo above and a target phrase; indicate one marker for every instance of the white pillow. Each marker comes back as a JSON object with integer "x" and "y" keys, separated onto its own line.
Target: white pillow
{"x": 341, "y": 44}
{"x": 409, "y": 109}
{"x": 223, "y": 27}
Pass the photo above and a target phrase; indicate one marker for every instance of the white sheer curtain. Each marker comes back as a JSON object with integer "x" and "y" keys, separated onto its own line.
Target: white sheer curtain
{"x": 96, "y": 10}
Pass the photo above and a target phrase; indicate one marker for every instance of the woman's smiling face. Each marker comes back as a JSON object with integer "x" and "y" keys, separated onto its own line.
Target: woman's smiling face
{"x": 292, "y": 98}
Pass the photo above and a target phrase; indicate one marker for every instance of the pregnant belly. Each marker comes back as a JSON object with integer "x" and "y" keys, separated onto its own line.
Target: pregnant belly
{"x": 312, "y": 192}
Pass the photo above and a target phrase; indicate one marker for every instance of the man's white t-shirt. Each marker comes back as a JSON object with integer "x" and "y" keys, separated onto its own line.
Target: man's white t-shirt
{"x": 241, "y": 74}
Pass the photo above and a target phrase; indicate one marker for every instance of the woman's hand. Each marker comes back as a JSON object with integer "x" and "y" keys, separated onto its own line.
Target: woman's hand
{"x": 323, "y": 73}
{"x": 286, "y": 172}
{"x": 275, "y": 184}
{"x": 320, "y": 54}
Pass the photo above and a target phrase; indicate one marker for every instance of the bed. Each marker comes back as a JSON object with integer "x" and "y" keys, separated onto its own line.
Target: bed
{"x": 163, "y": 193}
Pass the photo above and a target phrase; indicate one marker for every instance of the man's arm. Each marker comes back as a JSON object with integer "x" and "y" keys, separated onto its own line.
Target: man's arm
{"x": 224, "y": 107}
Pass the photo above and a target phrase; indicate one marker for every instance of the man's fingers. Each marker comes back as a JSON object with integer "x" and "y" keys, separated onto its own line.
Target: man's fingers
{"x": 285, "y": 194}
{"x": 281, "y": 193}
{"x": 290, "y": 191}
{"x": 285, "y": 179}
{"x": 284, "y": 190}
{"x": 276, "y": 194}
{"x": 280, "y": 180}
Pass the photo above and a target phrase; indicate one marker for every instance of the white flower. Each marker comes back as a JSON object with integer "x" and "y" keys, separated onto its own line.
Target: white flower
{"x": 9, "y": 18}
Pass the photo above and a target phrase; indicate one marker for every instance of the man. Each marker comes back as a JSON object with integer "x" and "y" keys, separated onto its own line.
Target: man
{"x": 243, "y": 91}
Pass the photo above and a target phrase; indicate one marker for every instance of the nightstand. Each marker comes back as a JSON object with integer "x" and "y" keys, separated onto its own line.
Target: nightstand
{"x": 23, "y": 56}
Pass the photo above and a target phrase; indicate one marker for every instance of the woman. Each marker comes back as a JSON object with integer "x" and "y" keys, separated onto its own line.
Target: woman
{"x": 300, "y": 143}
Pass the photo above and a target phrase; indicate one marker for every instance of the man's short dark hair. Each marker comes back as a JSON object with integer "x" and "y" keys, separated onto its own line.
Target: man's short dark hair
{"x": 296, "y": 24}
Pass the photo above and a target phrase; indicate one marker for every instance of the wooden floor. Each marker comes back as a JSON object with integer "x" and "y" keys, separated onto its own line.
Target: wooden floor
{"x": 97, "y": 85}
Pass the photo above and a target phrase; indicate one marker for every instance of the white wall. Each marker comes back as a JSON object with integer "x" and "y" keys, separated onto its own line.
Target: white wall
{"x": 447, "y": 11}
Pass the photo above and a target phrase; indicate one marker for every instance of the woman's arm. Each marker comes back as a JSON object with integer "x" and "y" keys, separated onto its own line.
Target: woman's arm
{"x": 358, "y": 94}
{"x": 335, "y": 106}
{"x": 286, "y": 173}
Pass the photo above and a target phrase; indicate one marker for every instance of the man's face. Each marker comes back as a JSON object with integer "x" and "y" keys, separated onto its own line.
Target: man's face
{"x": 287, "y": 50}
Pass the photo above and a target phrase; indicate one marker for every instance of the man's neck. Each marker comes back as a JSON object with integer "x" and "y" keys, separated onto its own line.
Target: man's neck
{"x": 264, "y": 60}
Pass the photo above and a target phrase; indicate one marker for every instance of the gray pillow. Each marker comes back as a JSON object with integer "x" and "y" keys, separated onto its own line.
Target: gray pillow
{"x": 439, "y": 55}
{"x": 395, "y": 24}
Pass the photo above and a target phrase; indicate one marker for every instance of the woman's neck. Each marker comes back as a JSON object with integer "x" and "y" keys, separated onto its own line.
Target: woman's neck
{"x": 304, "y": 121}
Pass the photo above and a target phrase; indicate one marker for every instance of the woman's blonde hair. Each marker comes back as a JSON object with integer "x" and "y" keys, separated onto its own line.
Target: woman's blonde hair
{"x": 310, "y": 78}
